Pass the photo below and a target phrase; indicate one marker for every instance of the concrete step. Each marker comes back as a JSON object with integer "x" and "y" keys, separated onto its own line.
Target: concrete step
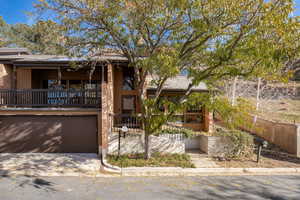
{"x": 196, "y": 156}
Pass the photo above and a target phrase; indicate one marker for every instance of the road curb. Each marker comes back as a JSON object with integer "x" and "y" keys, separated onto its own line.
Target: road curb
{"x": 161, "y": 171}
{"x": 173, "y": 171}
{"x": 56, "y": 174}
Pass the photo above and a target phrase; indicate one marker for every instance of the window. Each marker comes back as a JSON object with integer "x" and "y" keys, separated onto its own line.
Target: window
{"x": 128, "y": 78}
{"x": 160, "y": 104}
{"x": 71, "y": 84}
{"x": 193, "y": 118}
{"x": 128, "y": 104}
{"x": 75, "y": 84}
{"x": 53, "y": 84}
{"x": 194, "y": 108}
{"x": 174, "y": 99}
{"x": 92, "y": 84}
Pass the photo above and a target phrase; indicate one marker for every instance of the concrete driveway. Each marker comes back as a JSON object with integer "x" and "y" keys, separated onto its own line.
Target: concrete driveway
{"x": 46, "y": 164}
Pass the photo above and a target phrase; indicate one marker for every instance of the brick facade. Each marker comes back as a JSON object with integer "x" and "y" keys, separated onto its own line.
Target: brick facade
{"x": 6, "y": 72}
{"x": 207, "y": 120}
{"x": 104, "y": 119}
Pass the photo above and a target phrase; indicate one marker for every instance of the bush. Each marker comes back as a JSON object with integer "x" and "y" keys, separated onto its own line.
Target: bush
{"x": 188, "y": 133}
{"x": 243, "y": 143}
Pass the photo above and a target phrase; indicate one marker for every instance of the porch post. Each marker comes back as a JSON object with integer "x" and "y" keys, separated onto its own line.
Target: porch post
{"x": 14, "y": 78}
{"x": 207, "y": 120}
{"x": 110, "y": 91}
{"x": 104, "y": 115}
{"x": 104, "y": 118}
{"x": 59, "y": 75}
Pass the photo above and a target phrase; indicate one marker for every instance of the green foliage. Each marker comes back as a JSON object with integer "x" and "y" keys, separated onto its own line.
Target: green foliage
{"x": 44, "y": 37}
{"x": 157, "y": 160}
{"x": 188, "y": 133}
{"x": 3, "y": 29}
{"x": 234, "y": 116}
{"x": 211, "y": 40}
{"x": 242, "y": 143}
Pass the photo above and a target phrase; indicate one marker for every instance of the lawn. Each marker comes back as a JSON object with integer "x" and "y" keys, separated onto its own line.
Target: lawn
{"x": 157, "y": 160}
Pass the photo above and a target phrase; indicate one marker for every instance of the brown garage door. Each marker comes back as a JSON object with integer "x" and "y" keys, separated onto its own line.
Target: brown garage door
{"x": 49, "y": 134}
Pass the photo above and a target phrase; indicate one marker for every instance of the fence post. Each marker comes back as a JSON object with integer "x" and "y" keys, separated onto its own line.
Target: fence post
{"x": 233, "y": 97}
{"x": 298, "y": 139}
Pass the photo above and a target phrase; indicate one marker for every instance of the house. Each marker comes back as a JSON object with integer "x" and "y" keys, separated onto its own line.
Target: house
{"x": 48, "y": 105}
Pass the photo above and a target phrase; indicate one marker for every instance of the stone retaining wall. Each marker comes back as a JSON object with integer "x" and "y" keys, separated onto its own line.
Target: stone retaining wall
{"x": 134, "y": 143}
{"x": 215, "y": 145}
{"x": 169, "y": 143}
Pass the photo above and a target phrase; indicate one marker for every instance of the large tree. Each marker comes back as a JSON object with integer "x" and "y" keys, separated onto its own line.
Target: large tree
{"x": 43, "y": 37}
{"x": 3, "y": 29}
{"x": 210, "y": 40}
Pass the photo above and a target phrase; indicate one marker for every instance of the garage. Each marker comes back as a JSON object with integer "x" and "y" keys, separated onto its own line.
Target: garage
{"x": 48, "y": 134}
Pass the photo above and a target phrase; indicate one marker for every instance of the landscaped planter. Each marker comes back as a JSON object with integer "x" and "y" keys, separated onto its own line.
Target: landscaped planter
{"x": 215, "y": 145}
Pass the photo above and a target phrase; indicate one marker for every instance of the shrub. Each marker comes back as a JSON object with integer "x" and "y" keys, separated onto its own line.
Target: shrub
{"x": 243, "y": 143}
{"x": 188, "y": 133}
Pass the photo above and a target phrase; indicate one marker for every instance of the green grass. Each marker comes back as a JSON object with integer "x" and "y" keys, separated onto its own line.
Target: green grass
{"x": 157, "y": 160}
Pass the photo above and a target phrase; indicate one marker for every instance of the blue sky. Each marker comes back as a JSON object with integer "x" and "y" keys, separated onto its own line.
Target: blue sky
{"x": 13, "y": 11}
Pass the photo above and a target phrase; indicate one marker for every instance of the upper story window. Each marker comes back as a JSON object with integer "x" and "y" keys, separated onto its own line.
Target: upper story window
{"x": 128, "y": 78}
{"x": 71, "y": 84}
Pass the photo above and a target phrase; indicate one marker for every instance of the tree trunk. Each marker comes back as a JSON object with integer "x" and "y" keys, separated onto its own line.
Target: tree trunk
{"x": 147, "y": 146}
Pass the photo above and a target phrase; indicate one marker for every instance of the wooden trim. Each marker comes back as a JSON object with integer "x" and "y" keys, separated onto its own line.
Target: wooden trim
{"x": 59, "y": 76}
{"x": 14, "y": 78}
{"x": 49, "y": 112}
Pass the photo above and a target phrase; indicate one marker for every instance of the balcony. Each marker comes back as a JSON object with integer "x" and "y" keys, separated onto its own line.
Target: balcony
{"x": 44, "y": 98}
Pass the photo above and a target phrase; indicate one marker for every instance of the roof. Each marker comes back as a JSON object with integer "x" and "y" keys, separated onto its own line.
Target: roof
{"x": 15, "y": 59}
{"x": 23, "y": 58}
{"x": 14, "y": 51}
{"x": 179, "y": 83}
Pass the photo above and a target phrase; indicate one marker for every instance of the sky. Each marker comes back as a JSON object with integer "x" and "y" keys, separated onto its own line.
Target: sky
{"x": 14, "y": 11}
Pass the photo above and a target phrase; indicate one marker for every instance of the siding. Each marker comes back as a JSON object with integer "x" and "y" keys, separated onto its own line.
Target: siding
{"x": 24, "y": 78}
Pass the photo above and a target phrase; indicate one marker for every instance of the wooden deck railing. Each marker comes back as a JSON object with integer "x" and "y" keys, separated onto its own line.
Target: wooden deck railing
{"x": 50, "y": 98}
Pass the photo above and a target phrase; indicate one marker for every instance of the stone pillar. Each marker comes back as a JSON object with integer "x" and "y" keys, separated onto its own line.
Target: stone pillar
{"x": 103, "y": 115}
{"x": 110, "y": 88}
{"x": 104, "y": 118}
{"x": 207, "y": 120}
{"x": 6, "y": 76}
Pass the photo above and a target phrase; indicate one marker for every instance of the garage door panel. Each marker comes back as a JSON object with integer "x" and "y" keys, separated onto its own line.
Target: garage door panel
{"x": 80, "y": 134}
{"x": 51, "y": 134}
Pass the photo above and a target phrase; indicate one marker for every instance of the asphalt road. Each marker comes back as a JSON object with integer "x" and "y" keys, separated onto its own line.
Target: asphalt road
{"x": 173, "y": 188}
